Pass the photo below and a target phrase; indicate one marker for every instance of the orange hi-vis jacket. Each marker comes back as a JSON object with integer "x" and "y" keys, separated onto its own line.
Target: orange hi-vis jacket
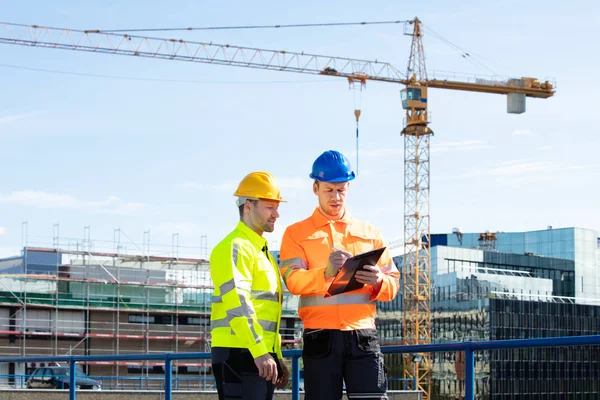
{"x": 304, "y": 252}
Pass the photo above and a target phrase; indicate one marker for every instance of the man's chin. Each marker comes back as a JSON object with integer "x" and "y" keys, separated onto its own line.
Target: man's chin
{"x": 269, "y": 229}
{"x": 333, "y": 212}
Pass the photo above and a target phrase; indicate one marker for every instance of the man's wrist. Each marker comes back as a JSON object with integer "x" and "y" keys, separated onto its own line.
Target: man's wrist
{"x": 378, "y": 286}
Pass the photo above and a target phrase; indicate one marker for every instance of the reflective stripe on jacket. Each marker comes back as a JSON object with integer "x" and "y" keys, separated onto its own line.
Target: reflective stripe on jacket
{"x": 247, "y": 297}
{"x": 305, "y": 250}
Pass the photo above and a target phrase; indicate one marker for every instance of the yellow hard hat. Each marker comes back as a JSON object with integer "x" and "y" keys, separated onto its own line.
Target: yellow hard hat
{"x": 258, "y": 185}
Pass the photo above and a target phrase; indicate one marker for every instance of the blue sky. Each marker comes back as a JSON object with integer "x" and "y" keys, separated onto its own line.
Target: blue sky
{"x": 156, "y": 155}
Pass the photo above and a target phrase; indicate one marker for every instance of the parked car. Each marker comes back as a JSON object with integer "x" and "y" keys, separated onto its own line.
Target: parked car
{"x": 58, "y": 378}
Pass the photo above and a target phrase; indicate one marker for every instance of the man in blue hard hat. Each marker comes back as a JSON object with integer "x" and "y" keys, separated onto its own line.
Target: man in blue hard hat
{"x": 340, "y": 340}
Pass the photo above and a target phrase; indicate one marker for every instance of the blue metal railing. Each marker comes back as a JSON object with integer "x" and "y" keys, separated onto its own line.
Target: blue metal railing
{"x": 468, "y": 347}
{"x": 120, "y": 382}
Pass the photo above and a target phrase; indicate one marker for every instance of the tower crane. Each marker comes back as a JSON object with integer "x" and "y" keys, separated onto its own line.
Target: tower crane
{"x": 414, "y": 96}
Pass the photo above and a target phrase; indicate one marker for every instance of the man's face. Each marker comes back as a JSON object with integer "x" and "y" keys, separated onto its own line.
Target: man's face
{"x": 332, "y": 197}
{"x": 262, "y": 214}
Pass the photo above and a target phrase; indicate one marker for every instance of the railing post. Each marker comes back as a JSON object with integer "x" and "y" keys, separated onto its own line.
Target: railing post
{"x": 72, "y": 372}
{"x": 295, "y": 377}
{"x": 469, "y": 374}
{"x": 168, "y": 377}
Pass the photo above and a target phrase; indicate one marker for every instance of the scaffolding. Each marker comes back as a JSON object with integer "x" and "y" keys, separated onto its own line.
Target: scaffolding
{"x": 75, "y": 300}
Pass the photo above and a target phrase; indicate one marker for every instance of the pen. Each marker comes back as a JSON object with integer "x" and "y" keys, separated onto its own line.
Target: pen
{"x": 335, "y": 248}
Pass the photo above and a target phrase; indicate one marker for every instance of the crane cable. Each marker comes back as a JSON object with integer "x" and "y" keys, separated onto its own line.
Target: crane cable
{"x": 357, "y": 85}
{"x": 206, "y": 28}
{"x": 462, "y": 52}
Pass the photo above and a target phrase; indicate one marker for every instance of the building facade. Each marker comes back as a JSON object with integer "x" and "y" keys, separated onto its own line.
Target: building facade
{"x": 582, "y": 246}
{"x": 482, "y": 291}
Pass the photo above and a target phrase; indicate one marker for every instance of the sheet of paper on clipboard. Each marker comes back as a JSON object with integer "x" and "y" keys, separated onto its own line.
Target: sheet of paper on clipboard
{"x": 345, "y": 280}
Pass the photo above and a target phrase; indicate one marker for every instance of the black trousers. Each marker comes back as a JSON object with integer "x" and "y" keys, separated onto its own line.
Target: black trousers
{"x": 237, "y": 377}
{"x": 332, "y": 358}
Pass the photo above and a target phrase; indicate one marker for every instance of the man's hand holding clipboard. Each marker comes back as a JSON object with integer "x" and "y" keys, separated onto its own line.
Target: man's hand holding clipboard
{"x": 336, "y": 261}
{"x": 354, "y": 272}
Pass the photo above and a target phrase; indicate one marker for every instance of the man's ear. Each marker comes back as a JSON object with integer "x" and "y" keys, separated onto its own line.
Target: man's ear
{"x": 315, "y": 188}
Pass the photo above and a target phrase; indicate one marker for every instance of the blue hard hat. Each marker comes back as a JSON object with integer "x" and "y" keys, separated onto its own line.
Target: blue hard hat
{"x": 332, "y": 166}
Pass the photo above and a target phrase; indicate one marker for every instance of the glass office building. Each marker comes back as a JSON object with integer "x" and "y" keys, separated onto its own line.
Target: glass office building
{"x": 582, "y": 246}
{"x": 494, "y": 294}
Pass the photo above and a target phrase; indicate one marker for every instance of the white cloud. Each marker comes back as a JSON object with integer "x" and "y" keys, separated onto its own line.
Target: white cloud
{"x": 183, "y": 228}
{"x": 441, "y": 147}
{"x": 384, "y": 151}
{"x": 518, "y": 168}
{"x": 228, "y": 186}
{"x": 39, "y": 199}
{"x": 2, "y": 231}
{"x": 192, "y": 185}
{"x": 16, "y": 117}
{"x": 522, "y": 132}
{"x": 523, "y": 167}
{"x": 466, "y": 145}
{"x": 577, "y": 167}
{"x": 122, "y": 208}
{"x": 523, "y": 170}
{"x": 283, "y": 182}
{"x": 293, "y": 183}
{"x": 9, "y": 252}
{"x": 545, "y": 148}
{"x": 364, "y": 172}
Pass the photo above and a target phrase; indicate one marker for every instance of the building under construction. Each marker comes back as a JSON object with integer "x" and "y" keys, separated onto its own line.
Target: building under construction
{"x": 73, "y": 302}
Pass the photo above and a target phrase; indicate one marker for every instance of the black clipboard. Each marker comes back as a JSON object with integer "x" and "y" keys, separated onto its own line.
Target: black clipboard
{"x": 345, "y": 279}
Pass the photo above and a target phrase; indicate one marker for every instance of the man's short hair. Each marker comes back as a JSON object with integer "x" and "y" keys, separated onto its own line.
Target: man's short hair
{"x": 241, "y": 207}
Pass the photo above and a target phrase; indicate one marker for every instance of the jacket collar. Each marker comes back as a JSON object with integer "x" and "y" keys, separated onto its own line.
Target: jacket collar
{"x": 254, "y": 238}
{"x": 321, "y": 220}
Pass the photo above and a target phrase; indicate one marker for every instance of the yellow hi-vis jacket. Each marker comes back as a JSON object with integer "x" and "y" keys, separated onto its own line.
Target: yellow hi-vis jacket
{"x": 247, "y": 297}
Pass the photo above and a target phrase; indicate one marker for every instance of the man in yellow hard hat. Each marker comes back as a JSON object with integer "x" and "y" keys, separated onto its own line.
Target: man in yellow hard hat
{"x": 246, "y": 303}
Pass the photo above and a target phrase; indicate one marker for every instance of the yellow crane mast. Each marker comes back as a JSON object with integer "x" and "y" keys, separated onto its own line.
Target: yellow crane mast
{"x": 414, "y": 96}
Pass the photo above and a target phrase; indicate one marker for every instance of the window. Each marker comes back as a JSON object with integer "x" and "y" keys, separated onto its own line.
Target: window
{"x": 403, "y": 96}
{"x": 184, "y": 320}
{"x": 150, "y": 319}
{"x": 414, "y": 94}
{"x": 141, "y": 319}
{"x": 410, "y": 94}
{"x": 151, "y": 369}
